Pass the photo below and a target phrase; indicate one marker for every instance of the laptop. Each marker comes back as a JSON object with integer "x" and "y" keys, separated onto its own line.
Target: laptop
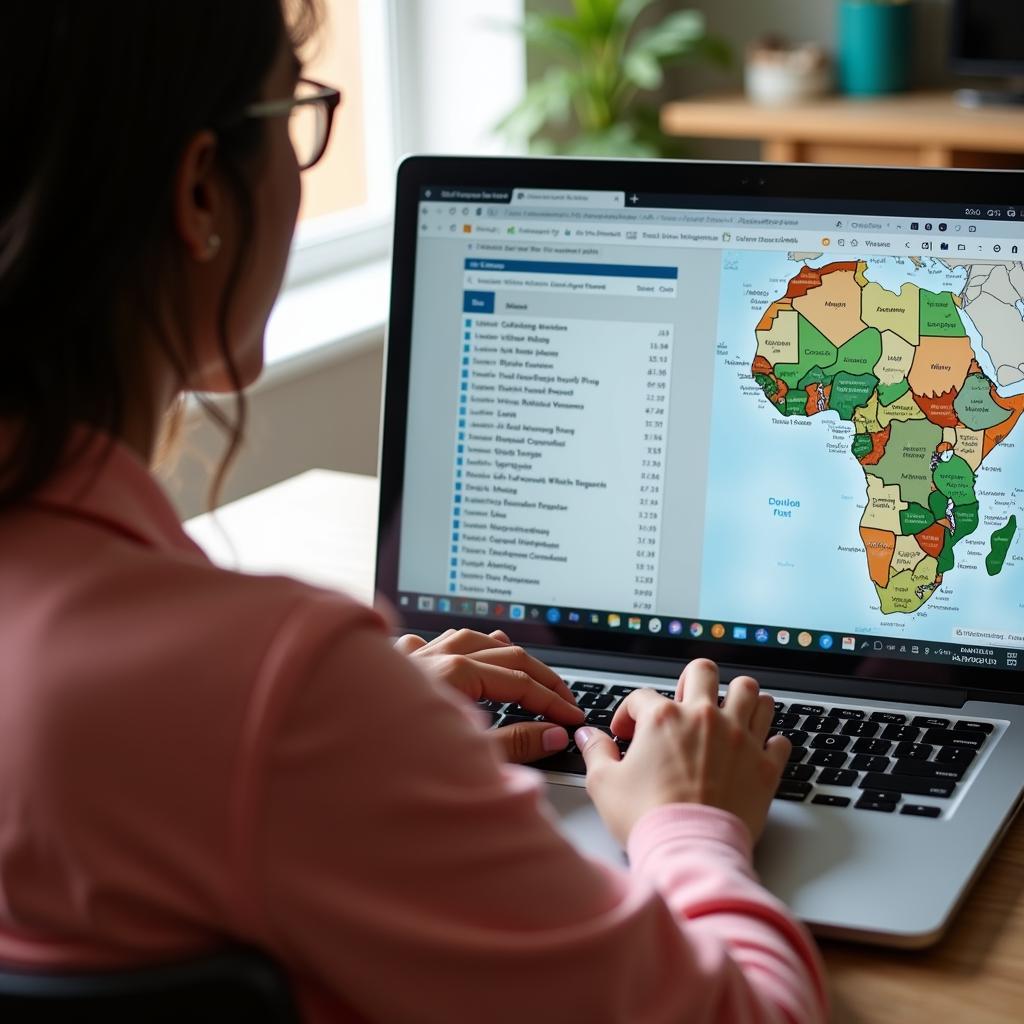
{"x": 638, "y": 412}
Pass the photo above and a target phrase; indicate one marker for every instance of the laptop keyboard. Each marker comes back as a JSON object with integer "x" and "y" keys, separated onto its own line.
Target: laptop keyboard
{"x": 886, "y": 761}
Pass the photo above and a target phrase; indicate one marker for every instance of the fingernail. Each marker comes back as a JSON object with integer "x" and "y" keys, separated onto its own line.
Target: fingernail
{"x": 554, "y": 739}
{"x": 583, "y": 737}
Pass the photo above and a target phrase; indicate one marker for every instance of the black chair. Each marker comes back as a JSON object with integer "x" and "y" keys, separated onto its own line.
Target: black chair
{"x": 237, "y": 986}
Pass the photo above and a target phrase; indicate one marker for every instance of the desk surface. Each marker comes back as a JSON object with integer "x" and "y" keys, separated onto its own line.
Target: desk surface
{"x": 917, "y": 118}
{"x": 321, "y": 527}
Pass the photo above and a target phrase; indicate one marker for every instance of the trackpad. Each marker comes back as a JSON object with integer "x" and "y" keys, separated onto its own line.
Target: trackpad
{"x": 582, "y": 826}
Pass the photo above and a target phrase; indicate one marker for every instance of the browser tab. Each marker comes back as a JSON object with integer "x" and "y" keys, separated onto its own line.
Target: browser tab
{"x": 570, "y": 198}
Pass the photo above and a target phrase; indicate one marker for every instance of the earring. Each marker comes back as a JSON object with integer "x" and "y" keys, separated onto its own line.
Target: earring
{"x": 212, "y": 246}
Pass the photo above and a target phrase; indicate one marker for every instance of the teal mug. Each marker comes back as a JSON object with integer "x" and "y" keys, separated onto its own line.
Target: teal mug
{"x": 874, "y": 46}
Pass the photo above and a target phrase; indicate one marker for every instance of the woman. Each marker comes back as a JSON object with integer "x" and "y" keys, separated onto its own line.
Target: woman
{"x": 191, "y": 757}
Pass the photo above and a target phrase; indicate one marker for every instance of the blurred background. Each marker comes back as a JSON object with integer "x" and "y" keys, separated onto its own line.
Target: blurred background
{"x": 897, "y": 82}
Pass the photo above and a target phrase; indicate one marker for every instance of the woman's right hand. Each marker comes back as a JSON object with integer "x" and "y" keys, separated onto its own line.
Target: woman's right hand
{"x": 687, "y": 750}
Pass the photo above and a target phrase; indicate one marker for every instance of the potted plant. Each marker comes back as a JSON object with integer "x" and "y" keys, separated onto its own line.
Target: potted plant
{"x": 602, "y": 64}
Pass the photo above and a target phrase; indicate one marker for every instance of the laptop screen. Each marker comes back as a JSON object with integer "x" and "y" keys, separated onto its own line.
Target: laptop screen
{"x": 760, "y": 423}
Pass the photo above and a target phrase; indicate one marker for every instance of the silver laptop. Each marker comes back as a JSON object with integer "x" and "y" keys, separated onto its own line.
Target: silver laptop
{"x": 639, "y": 412}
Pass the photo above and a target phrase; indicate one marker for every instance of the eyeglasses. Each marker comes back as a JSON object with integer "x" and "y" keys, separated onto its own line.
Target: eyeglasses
{"x": 310, "y": 113}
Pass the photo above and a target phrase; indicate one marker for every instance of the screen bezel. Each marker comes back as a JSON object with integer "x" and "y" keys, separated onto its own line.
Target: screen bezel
{"x": 964, "y": 64}
{"x": 915, "y": 188}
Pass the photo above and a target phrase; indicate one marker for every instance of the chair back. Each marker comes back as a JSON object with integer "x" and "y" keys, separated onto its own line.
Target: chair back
{"x": 236, "y": 986}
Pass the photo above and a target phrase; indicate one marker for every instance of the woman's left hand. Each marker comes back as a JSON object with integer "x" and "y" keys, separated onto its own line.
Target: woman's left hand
{"x": 490, "y": 666}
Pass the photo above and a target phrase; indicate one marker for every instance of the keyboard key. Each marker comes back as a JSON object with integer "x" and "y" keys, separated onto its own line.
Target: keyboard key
{"x": 967, "y": 726}
{"x": 870, "y": 763}
{"x": 848, "y": 713}
{"x": 930, "y": 723}
{"x": 867, "y": 804}
{"x": 882, "y": 796}
{"x": 818, "y": 723}
{"x": 792, "y": 790}
{"x": 921, "y": 810}
{"x": 955, "y": 756}
{"x": 513, "y": 718}
{"x": 831, "y": 801}
{"x": 583, "y": 687}
{"x": 930, "y": 769}
{"x": 798, "y": 772}
{"x": 597, "y": 716}
{"x": 889, "y": 717}
{"x": 908, "y": 784}
{"x": 797, "y": 754}
{"x": 785, "y": 721}
{"x": 806, "y": 709}
{"x": 836, "y": 777}
{"x": 866, "y": 746}
{"x": 830, "y": 742}
{"x": 914, "y": 751}
{"x": 828, "y": 758}
{"x": 954, "y": 738}
{"x": 853, "y": 728}
{"x": 621, "y": 691}
{"x": 779, "y": 707}
{"x": 490, "y": 705}
{"x": 795, "y": 736}
{"x": 902, "y": 733}
{"x": 595, "y": 700}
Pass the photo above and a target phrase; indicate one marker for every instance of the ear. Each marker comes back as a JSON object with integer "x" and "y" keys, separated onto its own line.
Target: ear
{"x": 199, "y": 198}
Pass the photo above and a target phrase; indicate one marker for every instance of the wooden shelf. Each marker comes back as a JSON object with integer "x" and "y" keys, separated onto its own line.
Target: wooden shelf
{"x": 926, "y": 129}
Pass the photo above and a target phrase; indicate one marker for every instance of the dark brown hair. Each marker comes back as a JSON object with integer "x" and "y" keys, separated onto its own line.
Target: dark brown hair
{"x": 97, "y": 103}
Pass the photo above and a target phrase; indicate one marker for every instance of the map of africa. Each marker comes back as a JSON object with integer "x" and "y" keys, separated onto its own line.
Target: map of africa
{"x": 865, "y": 466}
{"x": 900, "y": 367}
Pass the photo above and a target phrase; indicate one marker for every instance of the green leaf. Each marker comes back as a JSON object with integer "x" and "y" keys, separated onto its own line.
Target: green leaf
{"x": 629, "y": 11}
{"x": 545, "y": 101}
{"x": 642, "y": 68}
{"x": 677, "y": 34}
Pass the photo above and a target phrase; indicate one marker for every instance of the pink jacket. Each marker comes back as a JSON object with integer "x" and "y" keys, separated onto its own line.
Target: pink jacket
{"x": 190, "y": 756}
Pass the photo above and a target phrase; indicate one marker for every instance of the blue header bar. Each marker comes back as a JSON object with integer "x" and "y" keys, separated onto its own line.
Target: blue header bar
{"x": 582, "y": 269}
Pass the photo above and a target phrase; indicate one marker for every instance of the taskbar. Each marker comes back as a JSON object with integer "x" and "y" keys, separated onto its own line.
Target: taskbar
{"x": 779, "y": 637}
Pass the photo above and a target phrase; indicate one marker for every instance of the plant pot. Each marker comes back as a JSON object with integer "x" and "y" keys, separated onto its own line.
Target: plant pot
{"x": 874, "y": 46}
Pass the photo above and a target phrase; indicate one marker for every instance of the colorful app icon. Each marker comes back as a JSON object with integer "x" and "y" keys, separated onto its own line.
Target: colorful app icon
{"x": 443, "y": 604}
{"x": 425, "y": 604}
{"x": 466, "y": 607}
{"x": 594, "y": 618}
{"x": 654, "y": 625}
{"x": 516, "y": 611}
{"x": 403, "y": 600}
{"x": 499, "y": 611}
{"x": 696, "y": 629}
{"x": 482, "y": 607}
{"x": 574, "y": 616}
{"x": 739, "y": 632}
{"x": 782, "y": 637}
{"x": 614, "y": 621}
{"x": 850, "y": 643}
{"x": 635, "y": 622}
{"x": 675, "y": 627}
{"x": 718, "y": 631}
{"x": 761, "y": 635}
{"x": 804, "y": 639}
{"x": 825, "y": 642}
{"x": 553, "y": 615}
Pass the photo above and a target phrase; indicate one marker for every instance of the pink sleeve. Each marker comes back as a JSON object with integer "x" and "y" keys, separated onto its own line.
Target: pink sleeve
{"x": 396, "y": 863}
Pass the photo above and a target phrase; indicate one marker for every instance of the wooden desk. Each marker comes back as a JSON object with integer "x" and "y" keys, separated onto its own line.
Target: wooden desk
{"x": 926, "y": 129}
{"x": 321, "y": 526}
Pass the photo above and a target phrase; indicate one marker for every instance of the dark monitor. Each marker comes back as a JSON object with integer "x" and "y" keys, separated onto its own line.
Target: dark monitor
{"x": 988, "y": 37}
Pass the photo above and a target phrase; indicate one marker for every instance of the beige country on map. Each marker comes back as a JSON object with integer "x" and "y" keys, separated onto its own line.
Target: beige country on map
{"x": 890, "y": 312}
{"x": 834, "y": 307}
{"x": 781, "y": 343}
{"x": 897, "y": 358}
{"x": 884, "y": 506}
